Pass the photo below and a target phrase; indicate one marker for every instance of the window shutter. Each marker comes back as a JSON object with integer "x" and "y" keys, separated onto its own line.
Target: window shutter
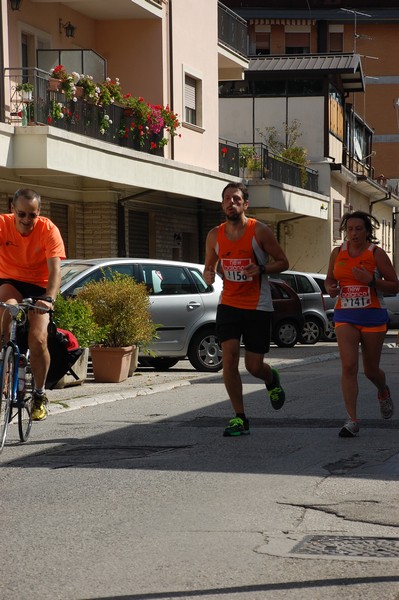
{"x": 190, "y": 92}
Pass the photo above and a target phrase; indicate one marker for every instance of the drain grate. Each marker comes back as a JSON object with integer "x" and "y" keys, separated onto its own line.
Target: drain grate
{"x": 338, "y": 545}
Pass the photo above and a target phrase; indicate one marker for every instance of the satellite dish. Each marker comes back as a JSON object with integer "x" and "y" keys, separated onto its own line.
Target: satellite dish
{"x": 358, "y": 149}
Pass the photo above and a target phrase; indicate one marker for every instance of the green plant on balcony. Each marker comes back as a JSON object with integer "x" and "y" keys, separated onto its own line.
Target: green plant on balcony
{"x": 110, "y": 91}
{"x": 56, "y": 112}
{"x": 67, "y": 81}
{"x": 91, "y": 89}
{"x": 249, "y": 158}
{"x": 289, "y": 150}
{"x": 24, "y": 87}
{"x": 104, "y": 121}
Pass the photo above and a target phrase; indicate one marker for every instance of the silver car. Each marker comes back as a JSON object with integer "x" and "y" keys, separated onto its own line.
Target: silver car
{"x": 182, "y": 305}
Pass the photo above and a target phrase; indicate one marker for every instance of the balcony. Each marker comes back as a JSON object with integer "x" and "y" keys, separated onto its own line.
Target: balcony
{"x": 255, "y": 162}
{"x": 232, "y": 48}
{"x": 44, "y": 106}
{"x": 232, "y": 30}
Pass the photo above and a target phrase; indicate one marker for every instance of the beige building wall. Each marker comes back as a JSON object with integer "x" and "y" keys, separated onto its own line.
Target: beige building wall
{"x": 194, "y": 22}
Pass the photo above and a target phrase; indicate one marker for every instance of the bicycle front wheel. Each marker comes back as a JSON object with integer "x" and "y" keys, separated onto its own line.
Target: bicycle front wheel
{"x": 26, "y": 406}
{"x": 6, "y": 383}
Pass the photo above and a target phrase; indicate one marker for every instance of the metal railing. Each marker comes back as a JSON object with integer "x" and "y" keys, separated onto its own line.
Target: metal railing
{"x": 232, "y": 29}
{"x": 107, "y": 123}
{"x": 255, "y": 161}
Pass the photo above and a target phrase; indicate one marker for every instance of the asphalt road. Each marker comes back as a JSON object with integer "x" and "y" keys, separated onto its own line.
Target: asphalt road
{"x": 140, "y": 496}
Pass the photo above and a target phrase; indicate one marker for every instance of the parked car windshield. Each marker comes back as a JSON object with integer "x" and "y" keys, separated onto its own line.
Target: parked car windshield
{"x": 70, "y": 270}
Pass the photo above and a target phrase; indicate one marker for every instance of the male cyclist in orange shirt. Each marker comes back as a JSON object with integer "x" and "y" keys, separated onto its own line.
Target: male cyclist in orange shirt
{"x": 242, "y": 246}
{"x": 31, "y": 249}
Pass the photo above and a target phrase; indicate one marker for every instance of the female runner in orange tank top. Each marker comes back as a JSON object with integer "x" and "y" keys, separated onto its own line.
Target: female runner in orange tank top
{"x": 359, "y": 273}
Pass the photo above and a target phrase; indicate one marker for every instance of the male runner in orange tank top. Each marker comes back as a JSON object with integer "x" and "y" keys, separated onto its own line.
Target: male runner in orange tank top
{"x": 242, "y": 247}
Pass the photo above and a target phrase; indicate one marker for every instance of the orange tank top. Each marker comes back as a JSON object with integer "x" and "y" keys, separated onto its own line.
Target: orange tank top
{"x": 239, "y": 290}
{"x": 354, "y": 294}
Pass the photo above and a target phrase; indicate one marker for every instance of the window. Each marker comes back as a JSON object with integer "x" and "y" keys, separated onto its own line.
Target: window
{"x": 336, "y": 38}
{"x": 167, "y": 280}
{"x": 337, "y": 214}
{"x": 297, "y": 42}
{"x": 190, "y": 100}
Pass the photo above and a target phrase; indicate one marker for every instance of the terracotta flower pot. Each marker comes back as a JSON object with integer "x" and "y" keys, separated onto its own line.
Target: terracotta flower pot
{"x": 111, "y": 365}
{"x": 80, "y": 91}
{"x": 54, "y": 85}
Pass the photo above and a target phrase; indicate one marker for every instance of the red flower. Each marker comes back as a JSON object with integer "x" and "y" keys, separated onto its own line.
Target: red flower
{"x": 223, "y": 151}
{"x": 49, "y": 120}
{"x": 153, "y": 145}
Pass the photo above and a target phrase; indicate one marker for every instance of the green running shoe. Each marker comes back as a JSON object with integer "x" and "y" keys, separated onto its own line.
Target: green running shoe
{"x": 276, "y": 392}
{"x": 237, "y": 426}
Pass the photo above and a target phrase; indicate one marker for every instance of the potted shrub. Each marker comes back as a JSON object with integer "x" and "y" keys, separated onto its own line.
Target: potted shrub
{"x": 77, "y": 317}
{"x": 120, "y": 308}
{"x": 25, "y": 90}
{"x": 248, "y": 159}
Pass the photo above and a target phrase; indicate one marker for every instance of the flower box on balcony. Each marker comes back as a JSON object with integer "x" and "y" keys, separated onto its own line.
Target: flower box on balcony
{"x": 54, "y": 85}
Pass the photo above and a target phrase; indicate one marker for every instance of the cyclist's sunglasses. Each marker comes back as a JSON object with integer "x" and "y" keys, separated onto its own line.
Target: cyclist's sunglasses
{"x": 22, "y": 215}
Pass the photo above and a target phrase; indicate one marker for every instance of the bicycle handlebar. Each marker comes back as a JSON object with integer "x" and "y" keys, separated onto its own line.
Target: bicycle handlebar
{"x": 27, "y": 303}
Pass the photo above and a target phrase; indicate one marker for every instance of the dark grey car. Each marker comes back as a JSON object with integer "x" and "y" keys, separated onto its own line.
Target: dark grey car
{"x": 312, "y": 301}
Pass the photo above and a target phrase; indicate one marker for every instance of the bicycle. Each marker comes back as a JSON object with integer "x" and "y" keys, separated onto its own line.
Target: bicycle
{"x": 16, "y": 380}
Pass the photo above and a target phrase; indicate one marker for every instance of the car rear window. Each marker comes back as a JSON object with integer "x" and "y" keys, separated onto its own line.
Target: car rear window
{"x": 320, "y": 283}
{"x": 304, "y": 285}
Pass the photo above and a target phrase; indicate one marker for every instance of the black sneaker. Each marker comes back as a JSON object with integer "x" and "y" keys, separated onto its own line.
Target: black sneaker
{"x": 276, "y": 392}
{"x": 237, "y": 426}
{"x": 350, "y": 429}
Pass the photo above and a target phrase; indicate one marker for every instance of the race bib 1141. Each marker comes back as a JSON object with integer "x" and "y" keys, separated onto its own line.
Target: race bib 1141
{"x": 355, "y": 296}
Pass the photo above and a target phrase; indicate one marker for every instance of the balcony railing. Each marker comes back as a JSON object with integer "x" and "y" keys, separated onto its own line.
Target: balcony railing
{"x": 255, "y": 161}
{"x": 356, "y": 166}
{"x": 107, "y": 123}
{"x": 232, "y": 29}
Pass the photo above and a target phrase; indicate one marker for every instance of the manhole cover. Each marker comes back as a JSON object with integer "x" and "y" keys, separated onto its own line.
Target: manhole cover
{"x": 338, "y": 545}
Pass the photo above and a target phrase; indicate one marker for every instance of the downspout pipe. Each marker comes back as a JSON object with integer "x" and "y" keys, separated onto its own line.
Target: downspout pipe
{"x": 2, "y": 85}
{"x": 386, "y": 197}
{"x": 171, "y": 83}
{"x": 287, "y": 221}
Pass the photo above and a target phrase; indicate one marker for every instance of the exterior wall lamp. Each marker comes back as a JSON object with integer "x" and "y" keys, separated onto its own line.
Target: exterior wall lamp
{"x": 69, "y": 28}
{"x": 15, "y": 4}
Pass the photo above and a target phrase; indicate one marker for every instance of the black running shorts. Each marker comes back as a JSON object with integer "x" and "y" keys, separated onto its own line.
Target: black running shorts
{"x": 252, "y": 325}
{"x": 27, "y": 290}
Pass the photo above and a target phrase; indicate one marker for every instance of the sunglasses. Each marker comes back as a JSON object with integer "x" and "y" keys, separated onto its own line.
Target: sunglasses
{"x": 22, "y": 215}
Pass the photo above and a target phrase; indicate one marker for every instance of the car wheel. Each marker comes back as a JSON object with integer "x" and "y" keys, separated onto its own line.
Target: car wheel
{"x": 329, "y": 335}
{"x": 312, "y": 331}
{"x": 204, "y": 352}
{"x": 285, "y": 334}
{"x": 159, "y": 363}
